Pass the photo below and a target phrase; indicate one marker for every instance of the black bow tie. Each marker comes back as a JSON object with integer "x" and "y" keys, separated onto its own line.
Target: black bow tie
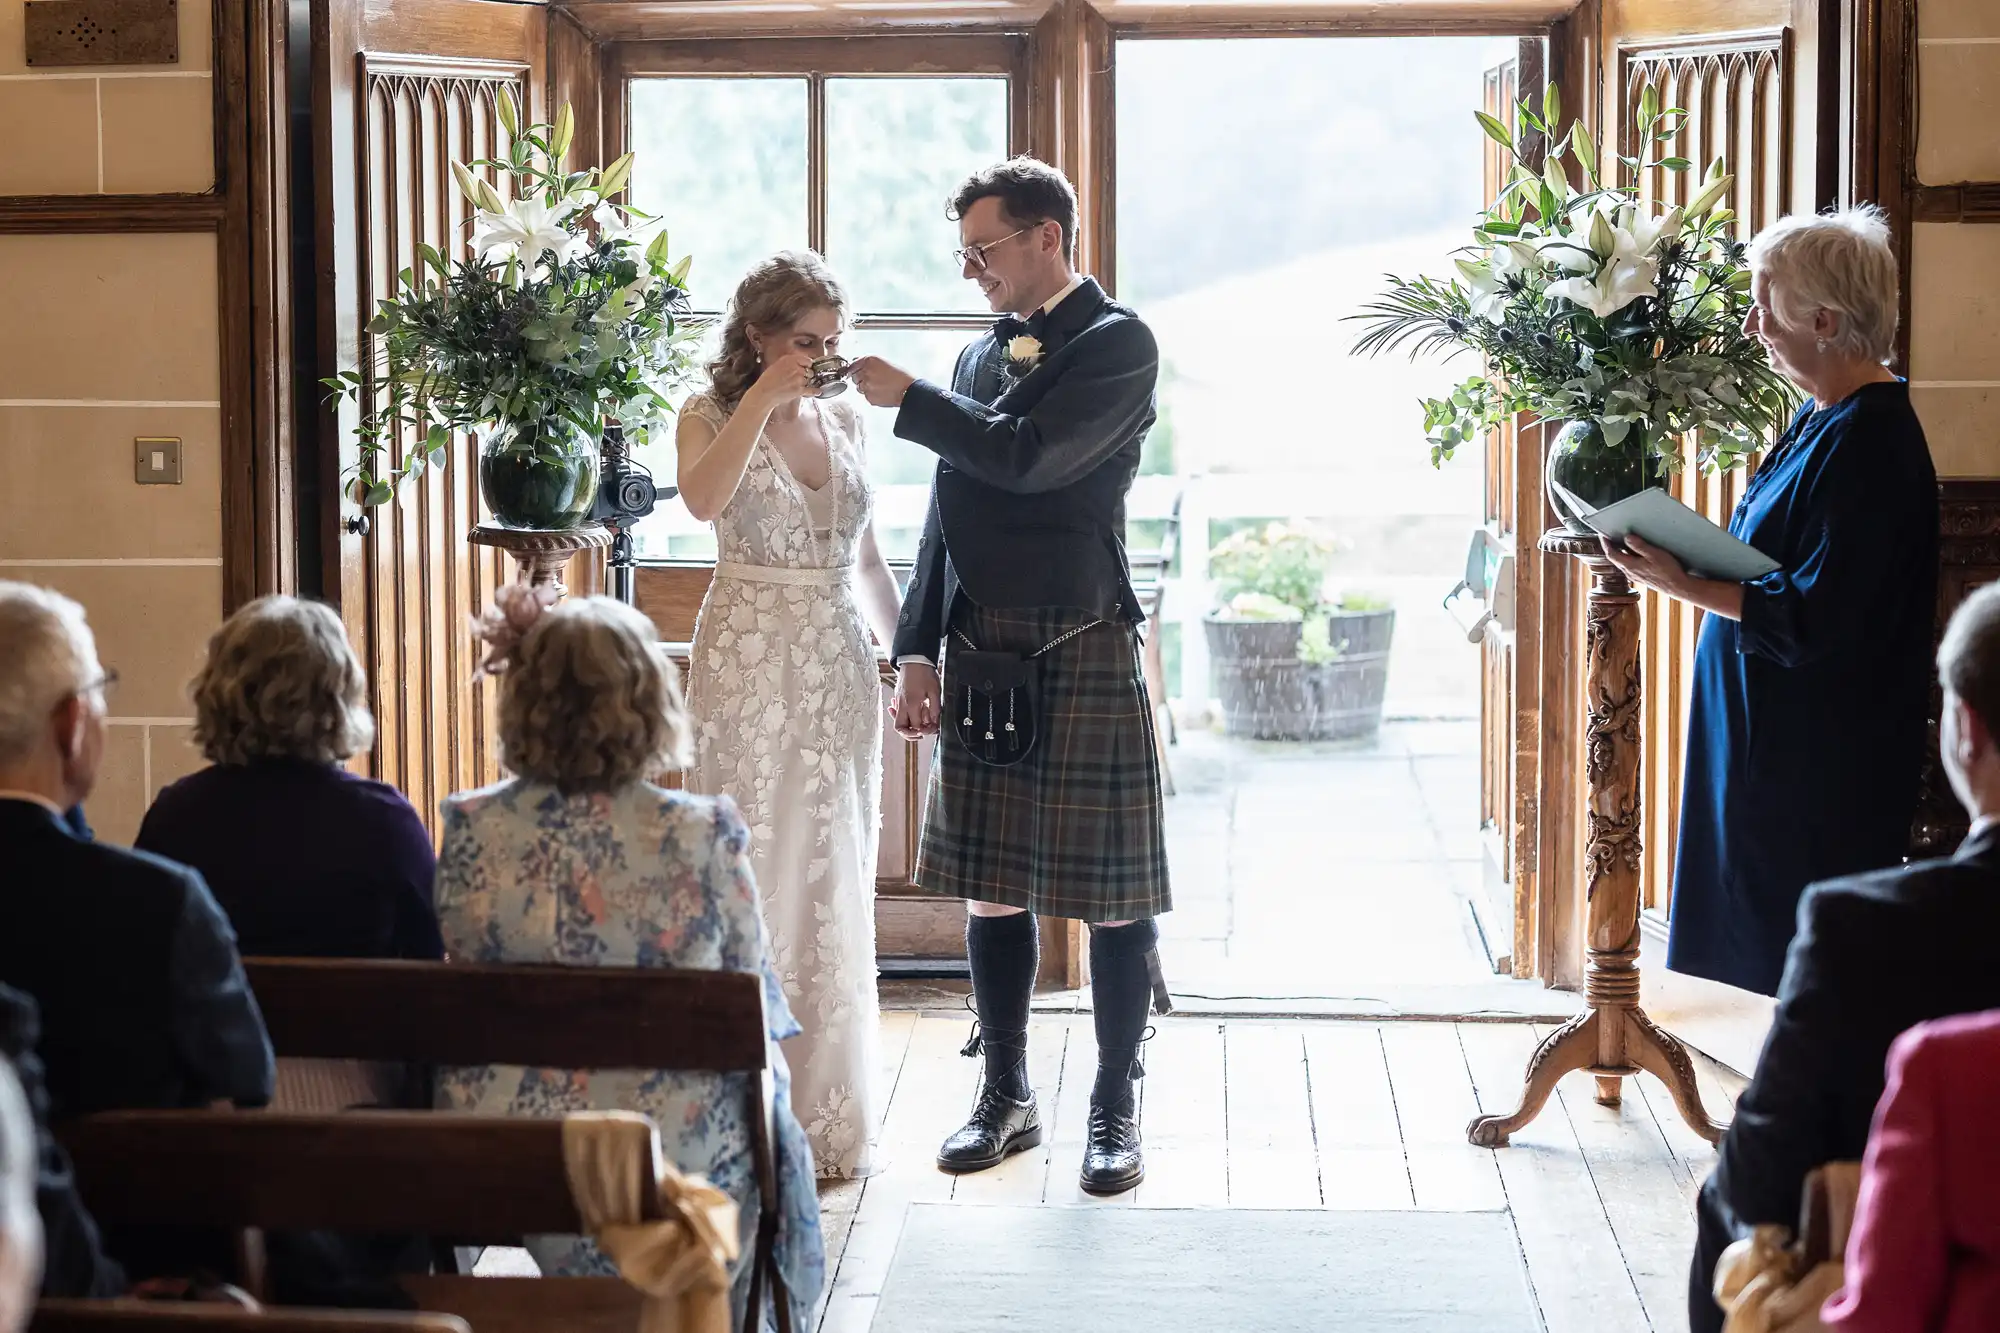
{"x": 1010, "y": 327}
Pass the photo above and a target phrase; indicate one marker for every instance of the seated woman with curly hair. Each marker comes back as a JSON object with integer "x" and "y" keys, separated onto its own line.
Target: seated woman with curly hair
{"x": 307, "y": 858}
{"x": 581, "y": 860}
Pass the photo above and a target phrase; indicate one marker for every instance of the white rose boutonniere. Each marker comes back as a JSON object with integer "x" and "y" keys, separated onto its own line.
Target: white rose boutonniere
{"x": 1023, "y": 354}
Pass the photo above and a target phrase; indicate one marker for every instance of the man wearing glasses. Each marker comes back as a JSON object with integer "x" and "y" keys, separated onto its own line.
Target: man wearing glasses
{"x": 1045, "y": 798}
{"x": 131, "y": 962}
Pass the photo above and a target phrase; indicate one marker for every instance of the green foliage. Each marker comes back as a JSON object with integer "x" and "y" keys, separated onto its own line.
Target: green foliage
{"x": 1586, "y": 302}
{"x": 1316, "y": 645}
{"x": 1357, "y": 602}
{"x": 1286, "y": 563}
{"x": 570, "y": 308}
{"x": 1277, "y": 572}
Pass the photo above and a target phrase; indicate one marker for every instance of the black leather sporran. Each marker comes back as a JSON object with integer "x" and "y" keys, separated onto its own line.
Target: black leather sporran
{"x": 995, "y": 699}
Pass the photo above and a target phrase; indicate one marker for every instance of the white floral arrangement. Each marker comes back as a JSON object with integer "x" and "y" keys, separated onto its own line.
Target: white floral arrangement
{"x": 568, "y": 309}
{"x": 1588, "y": 302}
{"x": 1024, "y": 353}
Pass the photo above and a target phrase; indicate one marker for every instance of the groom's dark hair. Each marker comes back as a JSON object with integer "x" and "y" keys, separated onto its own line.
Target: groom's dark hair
{"x": 1030, "y": 192}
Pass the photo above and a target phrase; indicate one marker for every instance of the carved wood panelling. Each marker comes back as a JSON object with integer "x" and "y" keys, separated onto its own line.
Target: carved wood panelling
{"x": 1496, "y": 704}
{"x": 1969, "y": 201}
{"x": 423, "y": 579}
{"x": 1510, "y": 738}
{"x": 1968, "y": 558}
{"x": 1738, "y": 92}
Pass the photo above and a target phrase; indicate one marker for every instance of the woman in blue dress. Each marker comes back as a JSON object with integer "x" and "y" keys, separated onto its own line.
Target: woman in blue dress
{"x": 1811, "y": 684}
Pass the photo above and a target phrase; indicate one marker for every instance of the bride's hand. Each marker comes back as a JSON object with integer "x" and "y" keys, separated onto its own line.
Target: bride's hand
{"x": 914, "y": 707}
{"x": 787, "y": 377}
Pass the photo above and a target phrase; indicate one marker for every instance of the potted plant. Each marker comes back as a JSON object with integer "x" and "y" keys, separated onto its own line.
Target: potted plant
{"x": 569, "y": 314}
{"x": 1289, "y": 663}
{"x": 1593, "y": 306}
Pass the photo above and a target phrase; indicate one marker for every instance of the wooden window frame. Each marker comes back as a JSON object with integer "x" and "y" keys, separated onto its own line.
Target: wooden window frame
{"x": 816, "y": 60}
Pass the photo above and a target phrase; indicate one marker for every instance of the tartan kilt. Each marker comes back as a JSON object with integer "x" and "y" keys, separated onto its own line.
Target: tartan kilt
{"x": 1075, "y": 829}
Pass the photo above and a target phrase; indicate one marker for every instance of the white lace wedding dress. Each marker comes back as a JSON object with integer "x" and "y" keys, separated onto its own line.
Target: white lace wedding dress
{"x": 788, "y": 715}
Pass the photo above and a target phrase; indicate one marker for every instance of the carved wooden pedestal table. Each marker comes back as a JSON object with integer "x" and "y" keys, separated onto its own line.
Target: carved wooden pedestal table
{"x": 540, "y": 553}
{"x": 1613, "y": 1039}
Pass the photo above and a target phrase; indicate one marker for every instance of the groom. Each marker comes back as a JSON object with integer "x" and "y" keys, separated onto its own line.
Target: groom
{"x": 1024, "y": 552}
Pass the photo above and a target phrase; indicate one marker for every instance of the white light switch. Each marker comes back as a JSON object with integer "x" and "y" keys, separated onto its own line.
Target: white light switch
{"x": 157, "y": 460}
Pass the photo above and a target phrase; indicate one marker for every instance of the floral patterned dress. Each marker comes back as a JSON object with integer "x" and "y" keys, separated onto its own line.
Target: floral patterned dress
{"x": 638, "y": 878}
{"x": 788, "y": 714}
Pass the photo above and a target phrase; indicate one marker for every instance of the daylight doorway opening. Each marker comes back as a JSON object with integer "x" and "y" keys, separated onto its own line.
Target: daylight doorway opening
{"x": 1325, "y": 821}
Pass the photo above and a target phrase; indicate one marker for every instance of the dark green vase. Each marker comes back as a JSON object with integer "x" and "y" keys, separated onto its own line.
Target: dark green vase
{"x": 537, "y": 474}
{"x": 1583, "y": 464}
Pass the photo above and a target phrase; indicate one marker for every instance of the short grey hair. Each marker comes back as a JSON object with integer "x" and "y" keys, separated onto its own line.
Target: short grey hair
{"x": 590, "y": 702}
{"x": 1842, "y": 262}
{"x": 1968, "y": 656}
{"x": 47, "y": 653}
{"x": 281, "y": 682}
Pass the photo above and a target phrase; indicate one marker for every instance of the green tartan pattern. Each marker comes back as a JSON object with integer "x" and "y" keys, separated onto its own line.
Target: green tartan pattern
{"x": 1075, "y": 829}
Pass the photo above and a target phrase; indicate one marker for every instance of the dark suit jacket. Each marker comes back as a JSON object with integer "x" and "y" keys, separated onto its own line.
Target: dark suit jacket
{"x": 73, "y": 1261}
{"x": 1028, "y": 506}
{"x": 134, "y": 968}
{"x": 308, "y": 859}
{"x": 142, "y": 996}
{"x": 1874, "y": 955}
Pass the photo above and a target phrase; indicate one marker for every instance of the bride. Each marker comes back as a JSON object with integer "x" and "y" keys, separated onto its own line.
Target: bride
{"x": 783, "y": 684}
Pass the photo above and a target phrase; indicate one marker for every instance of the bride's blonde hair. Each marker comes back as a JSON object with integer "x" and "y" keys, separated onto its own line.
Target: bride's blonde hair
{"x": 773, "y": 296}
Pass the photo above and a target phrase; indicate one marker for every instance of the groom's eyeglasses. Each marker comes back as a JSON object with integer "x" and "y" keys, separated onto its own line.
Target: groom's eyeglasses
{"x": 975, "y": 255}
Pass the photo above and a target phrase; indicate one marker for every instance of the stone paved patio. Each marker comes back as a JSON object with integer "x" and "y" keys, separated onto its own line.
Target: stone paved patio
{"x": 1322, "y": 870}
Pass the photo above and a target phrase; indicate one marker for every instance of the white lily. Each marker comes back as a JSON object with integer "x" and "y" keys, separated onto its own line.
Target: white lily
{"x": 1568, "y": 253}
{"x": 1638, "y": 237}
{"x": 1490, "y": 296}
{"x": 524, "y": 230}
{"x": 1513, "y": 259}
{"x": 612, "y": 226}
{"x": 1622, "y": 282}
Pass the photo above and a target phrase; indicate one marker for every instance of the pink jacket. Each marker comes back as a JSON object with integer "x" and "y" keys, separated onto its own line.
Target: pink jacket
{"x": 1924, "y": 1254}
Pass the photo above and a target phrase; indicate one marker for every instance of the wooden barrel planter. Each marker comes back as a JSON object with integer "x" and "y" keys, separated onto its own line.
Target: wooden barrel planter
{"x": 1269, "y": 694}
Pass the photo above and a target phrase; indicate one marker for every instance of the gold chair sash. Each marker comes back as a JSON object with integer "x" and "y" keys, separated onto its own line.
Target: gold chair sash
{"x": 680, "y": 1262}
{"x": 1766, "y": 1283}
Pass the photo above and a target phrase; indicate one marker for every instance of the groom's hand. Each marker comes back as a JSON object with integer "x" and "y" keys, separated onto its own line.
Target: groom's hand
{"x": 914, "y": 707}
{"x": 881, "y": 383}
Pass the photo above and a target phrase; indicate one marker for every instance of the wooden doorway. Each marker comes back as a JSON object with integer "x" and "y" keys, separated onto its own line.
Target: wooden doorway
{"x": 1510, "y": 579}
{"x": 400, "y": 92}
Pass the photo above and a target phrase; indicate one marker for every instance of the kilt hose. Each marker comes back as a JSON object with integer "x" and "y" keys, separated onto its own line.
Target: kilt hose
{"x": 1075, "y": 829}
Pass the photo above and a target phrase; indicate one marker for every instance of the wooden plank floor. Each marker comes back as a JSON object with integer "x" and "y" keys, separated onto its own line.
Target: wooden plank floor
{"x": 1311, "y": 1114}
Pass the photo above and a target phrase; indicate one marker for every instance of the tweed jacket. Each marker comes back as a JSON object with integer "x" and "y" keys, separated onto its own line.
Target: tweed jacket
{"x": 1027, "y": 508}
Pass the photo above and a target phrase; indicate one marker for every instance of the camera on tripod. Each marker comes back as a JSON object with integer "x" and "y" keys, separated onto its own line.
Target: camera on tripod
{"x": 626, "y": 493}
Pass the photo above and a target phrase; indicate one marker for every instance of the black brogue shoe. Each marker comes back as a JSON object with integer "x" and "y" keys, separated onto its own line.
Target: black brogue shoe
{"x": 1112, "y": 1159}
{"x": 1000, "y": 1127}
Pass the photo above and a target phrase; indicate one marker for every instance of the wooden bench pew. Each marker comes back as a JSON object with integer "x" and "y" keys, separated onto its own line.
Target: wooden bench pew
{"x": 68, "y": 1316}
{"x": 487, "y": 1179}
{"x": 547, "y": 1016}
